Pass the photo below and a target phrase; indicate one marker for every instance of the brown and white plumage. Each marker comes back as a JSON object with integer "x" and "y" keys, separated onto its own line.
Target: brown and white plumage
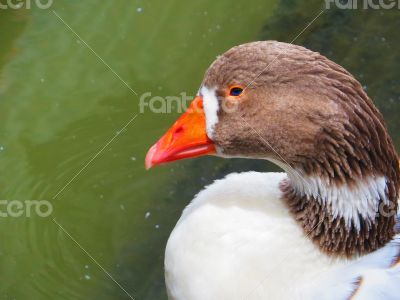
{"x": 325, "y": 229}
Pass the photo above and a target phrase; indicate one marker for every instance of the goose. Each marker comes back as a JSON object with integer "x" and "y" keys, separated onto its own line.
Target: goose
{"x": 325, "y": 228}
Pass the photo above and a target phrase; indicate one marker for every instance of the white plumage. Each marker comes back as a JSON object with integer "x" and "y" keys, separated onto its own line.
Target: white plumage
{"x": 237, "y": 240}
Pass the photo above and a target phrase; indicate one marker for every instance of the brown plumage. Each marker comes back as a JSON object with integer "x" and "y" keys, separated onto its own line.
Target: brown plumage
{"x": 310, "y": 113}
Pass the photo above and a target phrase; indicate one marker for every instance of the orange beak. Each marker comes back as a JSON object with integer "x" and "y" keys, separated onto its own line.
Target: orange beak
{"x": 187, "y": 138}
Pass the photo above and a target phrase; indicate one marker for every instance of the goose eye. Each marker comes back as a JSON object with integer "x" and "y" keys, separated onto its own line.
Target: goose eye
{"x": 235, "y": 91}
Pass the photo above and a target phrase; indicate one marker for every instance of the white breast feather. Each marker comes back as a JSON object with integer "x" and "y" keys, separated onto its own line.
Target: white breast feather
{"x": 237, "y": 240}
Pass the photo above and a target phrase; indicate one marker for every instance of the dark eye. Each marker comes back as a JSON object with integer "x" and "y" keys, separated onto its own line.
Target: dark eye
{"x": 235, "y": 91}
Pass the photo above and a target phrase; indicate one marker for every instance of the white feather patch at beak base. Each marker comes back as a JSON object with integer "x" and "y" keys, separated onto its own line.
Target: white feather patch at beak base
{"x": 211, "y": 108}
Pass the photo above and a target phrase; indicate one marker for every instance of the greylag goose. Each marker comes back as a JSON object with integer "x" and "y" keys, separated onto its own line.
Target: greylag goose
{"x": 323, "y": 229}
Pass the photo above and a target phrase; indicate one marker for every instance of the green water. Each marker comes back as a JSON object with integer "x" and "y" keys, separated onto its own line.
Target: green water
{"x": 60, "y": 105}
{"x": 69, "y": 76}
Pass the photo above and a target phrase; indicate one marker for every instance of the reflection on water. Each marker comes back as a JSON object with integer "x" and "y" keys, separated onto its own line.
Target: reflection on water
{"x": 61, "y": 105}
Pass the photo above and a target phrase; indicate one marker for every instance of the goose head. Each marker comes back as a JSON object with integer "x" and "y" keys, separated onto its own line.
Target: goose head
{"x": 258, "y": 100}
{"x": 284, "y": 103}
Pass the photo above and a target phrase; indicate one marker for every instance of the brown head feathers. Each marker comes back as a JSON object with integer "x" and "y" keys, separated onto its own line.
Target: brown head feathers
{"x": 312, "y": 116}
